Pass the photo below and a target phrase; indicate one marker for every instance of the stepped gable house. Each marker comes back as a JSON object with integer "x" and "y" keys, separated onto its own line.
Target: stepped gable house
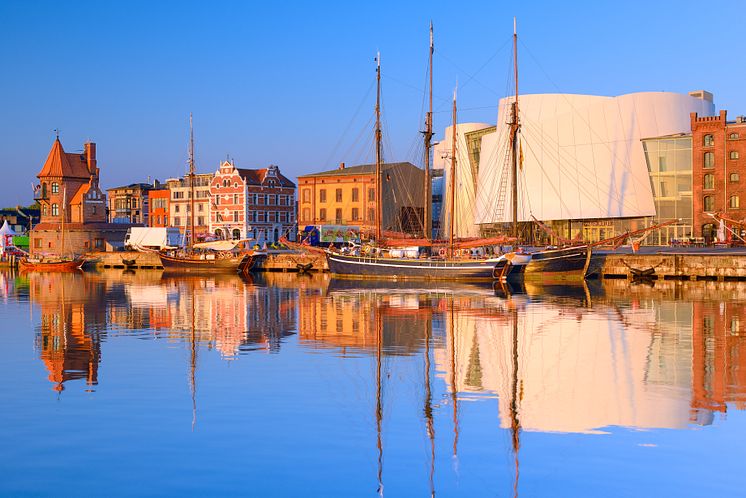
{"x": 68, "y": 192}
{"x": 254, "y": 204}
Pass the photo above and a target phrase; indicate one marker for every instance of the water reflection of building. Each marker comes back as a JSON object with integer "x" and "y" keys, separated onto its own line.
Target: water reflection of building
{"x": 68, "y": 336}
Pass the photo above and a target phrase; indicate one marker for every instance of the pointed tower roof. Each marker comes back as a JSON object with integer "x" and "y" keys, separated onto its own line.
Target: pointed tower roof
{"x": 59, "y": 163}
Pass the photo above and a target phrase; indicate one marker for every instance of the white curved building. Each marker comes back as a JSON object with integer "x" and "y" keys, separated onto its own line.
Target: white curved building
{"x": 582, "y": 156}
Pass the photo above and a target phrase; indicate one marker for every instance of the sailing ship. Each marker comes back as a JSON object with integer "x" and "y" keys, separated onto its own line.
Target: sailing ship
{"x": 421, "y": 258}
{"x": 210, "y": 257}
{"x": 54, "y": 263}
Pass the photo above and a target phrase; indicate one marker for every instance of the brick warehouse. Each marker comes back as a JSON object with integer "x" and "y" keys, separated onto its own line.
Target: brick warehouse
{"x": 718, "y": 172}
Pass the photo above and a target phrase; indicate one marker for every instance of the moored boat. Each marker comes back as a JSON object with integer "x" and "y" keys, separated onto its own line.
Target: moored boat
{"x": 51, "y": 264}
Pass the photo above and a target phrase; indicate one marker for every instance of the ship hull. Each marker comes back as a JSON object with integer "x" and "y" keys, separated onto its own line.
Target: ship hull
{"x": 51, "y": 266}
{"x": 187, "y": 264}
{"x": 569, "y": 263}
{"x": 350, "y": 266}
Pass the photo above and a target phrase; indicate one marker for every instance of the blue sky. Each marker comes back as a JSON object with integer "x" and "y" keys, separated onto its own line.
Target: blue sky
{"x": 290, "y": 83}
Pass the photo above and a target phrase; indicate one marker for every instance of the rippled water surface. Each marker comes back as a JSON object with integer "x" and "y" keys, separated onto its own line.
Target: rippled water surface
{"x": 287, "y": 385}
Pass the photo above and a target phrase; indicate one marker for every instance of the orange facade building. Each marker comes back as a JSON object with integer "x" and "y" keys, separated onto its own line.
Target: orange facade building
{"x": 158, "y": 207}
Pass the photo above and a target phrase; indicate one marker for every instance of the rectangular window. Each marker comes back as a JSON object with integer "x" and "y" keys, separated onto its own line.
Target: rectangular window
{"x": 260, "y": 217}
{"x": 338, "y": 216}
{"x": 355, "y": 214}
{"x": 235, "y": 215}
{"x": 271, "y": 200}
{"x": 235, "y": 198}
{"x": 322, "y": 214}
{"x": 200, "y": 207}
{"x": 200, "y": 221}
{"x": 177, "y": 208}
{"x": 306, "y": 215}
{"x": 322, "y": 195}
{"x": 306, "y": 195}
{"x": 260, "y": 199}
{"x": 37, "y": 243}
{"x": 709, "y": 160}
{"x": 338, "y": 195}
{"x": 177, "y": 221}
{"x": 371, "y": 215}
{"x": 355, "y": 194}
{"x": 372, "y": 194}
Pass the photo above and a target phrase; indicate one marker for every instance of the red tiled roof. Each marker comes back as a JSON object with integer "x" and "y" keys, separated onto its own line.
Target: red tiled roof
{"x": 78, "y": 197}
{"x": 257, "y": 176}
{"x": 59, "y": 163}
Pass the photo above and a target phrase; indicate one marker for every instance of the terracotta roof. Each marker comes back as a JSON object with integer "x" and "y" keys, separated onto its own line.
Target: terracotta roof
{"x": 55, "y": 225}
{"x": 60, "y": 163}
{"x": 362, "y": 169}
{"x": 78, "y": 197}
{"x": 257, "y": 176}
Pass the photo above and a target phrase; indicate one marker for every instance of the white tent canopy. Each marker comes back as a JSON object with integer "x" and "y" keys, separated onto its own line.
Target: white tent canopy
{"x": 6, "y": 236}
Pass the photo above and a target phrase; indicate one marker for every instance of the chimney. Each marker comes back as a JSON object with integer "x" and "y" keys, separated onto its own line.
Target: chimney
{"x": 90, "y": 157}
{"x": 341, "y": 165}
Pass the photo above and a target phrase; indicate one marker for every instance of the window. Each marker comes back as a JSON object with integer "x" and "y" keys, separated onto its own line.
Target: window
{"x": 734, "y": 177}
{"x": 37, "y": 243}
{"x": 338, "y": 215}
{"x": 338, "y": 195}
{"x": 322, "y": 195}
{"x": 177, "y": 208}
{"x": 271, "y": 200}
{"x": 306, "y": 195}
{"x": 708, "y": 141}
{"x": 55, "y": 210}
{"x": 177, "y": 221}
{"x": 260, "y": 199}
{"x": 178, "y": 195}
{"x": 200, "y": 207}
{"x": 709, "y": 182}
{"x": 55, "y": 188}
{"x": 371, "y": 215}
{"x": 200, "y": 221}
{"x": 306, "y": 215}
{"x": 355, "y": 214}
{"x": 235, "y": 215}
{"x": 44, "y": 210}
{"x": 709, "y": 203}
{"x": 260, "y": 217}
{"x": 734, "y": 202}
{"x": 217, "y": 200}
{"x": 235, "y": 198}
{"x": 709, "y": 160}
{"x": 355, "y": 195}
{"x": 733, "y": 136}
{"x": 372, "y": 194}
{"x": 236, "y": 234}
{"x": 322, "y": 214}
{"x": 734, "y": 154}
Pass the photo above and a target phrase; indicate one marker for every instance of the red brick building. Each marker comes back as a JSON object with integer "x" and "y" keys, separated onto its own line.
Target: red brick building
{"x": 718, "y": 171}
{"x": 68, "y": 192}
{"x": 159, "y": 207}
{"x": 252, "y": 203}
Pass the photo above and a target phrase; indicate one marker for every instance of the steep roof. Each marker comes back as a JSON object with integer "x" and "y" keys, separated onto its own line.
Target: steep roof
{"x": 59, "y": 163}
{"x": 78, "y": 197}
{"x": 257, "y": 176}
{"x": 362, "y": 169}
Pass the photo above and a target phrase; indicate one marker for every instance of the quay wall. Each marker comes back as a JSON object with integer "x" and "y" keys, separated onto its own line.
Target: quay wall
{"x": 702, "y": 266}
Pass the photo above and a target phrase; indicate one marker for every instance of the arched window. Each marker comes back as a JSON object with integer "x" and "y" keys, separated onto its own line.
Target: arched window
{"x": 733, "y": 136}
{"x": 236, "y": 234}
{"x": 709, "y": 182}
{"x": 55, "y": 210}
{"x": 55, "y": 188}
{"x": 708, "y": 140}
{"x": 708, "y": 231}
{"x": 734, "y": 154}
{"x": 708, "y": 203}
{"x": 709, "y": 160}
{"x": 734, "y": 202}
{"x": 734, "y": 177}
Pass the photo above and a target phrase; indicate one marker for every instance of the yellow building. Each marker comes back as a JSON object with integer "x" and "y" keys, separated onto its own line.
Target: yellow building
{"x": 347, "y": 196}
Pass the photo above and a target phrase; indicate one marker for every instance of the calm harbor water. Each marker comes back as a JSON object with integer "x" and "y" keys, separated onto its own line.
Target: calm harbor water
{"x": 283, "y": 385}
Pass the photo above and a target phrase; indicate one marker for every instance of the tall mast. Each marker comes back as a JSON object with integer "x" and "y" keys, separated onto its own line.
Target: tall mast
{"x": 191, "y": 182}
{"x": 514, "y": 130}
{"x": 428, "y": 133}
{"x": 379, "y": 398}
{"x": 452, "y": 203}
{"x": 379, "y": 184}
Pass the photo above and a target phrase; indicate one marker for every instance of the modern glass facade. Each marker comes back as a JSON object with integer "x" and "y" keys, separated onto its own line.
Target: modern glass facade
{"x": 669, "y": 161}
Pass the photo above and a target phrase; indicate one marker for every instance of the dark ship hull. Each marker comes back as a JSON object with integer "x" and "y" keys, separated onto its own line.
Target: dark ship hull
{"x": 568, "y": 263}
